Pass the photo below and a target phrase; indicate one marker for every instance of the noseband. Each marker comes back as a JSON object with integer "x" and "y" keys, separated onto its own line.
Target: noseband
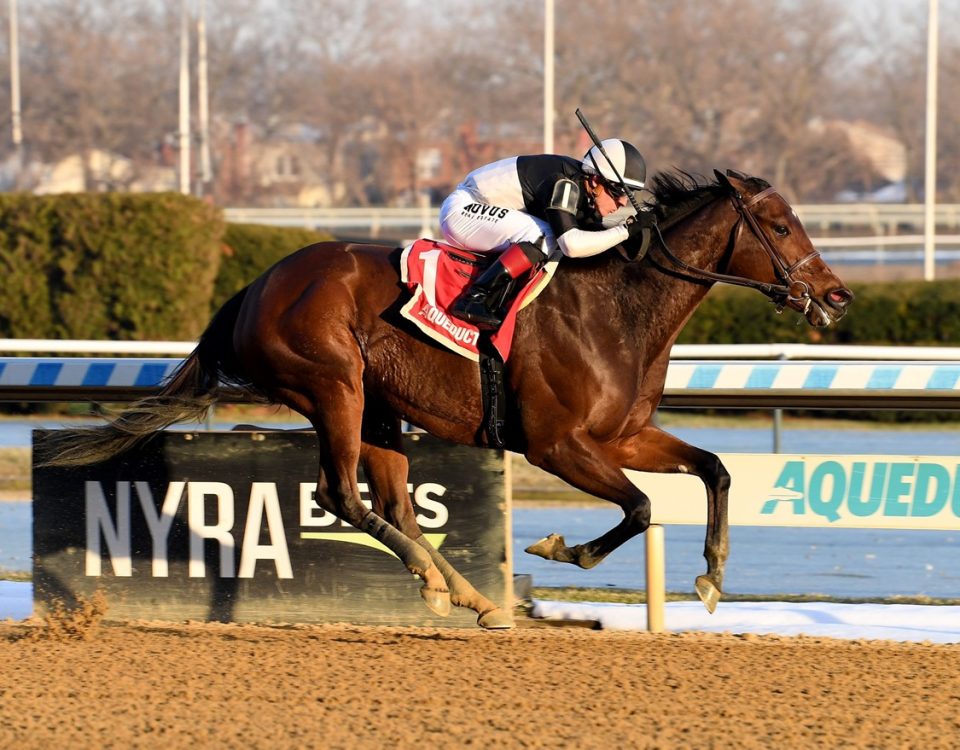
{"x": 788, "y": 290}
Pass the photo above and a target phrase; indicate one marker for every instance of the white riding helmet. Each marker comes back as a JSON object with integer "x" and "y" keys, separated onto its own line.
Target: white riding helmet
{"x": 625, "y": 157}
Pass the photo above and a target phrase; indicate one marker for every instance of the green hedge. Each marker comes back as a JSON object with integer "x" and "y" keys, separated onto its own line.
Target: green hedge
{"x": 909, "y": 312}
{"x": 249, "y": 249}
{"x": 152, "y": 266}
{"x": 117, "y": 266}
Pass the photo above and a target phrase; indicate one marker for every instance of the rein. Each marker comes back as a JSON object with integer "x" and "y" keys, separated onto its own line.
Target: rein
{"x": 788, "y": 290}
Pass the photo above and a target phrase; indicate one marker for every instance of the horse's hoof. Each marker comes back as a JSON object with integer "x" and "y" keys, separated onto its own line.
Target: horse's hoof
{"x": 437, "y": 600}
{"x": 550, "y": 547}
{"x": 495, "y": 619}
{"x": 708, "y": 592}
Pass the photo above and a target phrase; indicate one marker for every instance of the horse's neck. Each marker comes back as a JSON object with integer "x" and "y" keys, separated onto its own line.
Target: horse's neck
{"x": 656, "y": 305}
{"x": 671, "y": 303}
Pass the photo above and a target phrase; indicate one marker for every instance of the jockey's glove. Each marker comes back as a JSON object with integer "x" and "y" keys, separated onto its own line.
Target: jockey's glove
{"x": 637, "y": 223}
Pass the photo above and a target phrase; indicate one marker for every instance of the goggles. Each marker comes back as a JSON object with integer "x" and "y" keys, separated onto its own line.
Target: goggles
{"x": 615, "y": 189}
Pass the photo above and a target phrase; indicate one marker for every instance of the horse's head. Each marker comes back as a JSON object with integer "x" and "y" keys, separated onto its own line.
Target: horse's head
{"x": 771, "y": 246}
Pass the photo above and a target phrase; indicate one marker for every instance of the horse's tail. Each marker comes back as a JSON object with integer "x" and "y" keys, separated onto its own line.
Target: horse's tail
{"x": 187, "y": 395}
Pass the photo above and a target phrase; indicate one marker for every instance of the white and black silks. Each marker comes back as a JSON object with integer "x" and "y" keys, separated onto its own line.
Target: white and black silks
{"x": 526, "y": 198}
{"x": 573, "y": 241}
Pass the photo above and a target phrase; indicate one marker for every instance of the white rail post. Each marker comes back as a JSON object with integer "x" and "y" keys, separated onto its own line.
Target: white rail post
{"x": 656, "y": 585}
{"x": 183, "y": 133}
{"x": 548, "y": 78}
{"x": 426, "y": 230}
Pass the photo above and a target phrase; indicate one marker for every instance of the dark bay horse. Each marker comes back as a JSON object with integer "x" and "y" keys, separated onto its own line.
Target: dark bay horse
{"x": 584, "y": 380}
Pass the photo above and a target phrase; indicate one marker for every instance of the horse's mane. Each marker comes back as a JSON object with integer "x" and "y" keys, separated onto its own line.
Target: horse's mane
{"x": 677, "y": 193}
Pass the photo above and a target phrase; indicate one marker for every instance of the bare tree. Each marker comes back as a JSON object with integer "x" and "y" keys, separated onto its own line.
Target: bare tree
{"x": 886, "y": 85}
{"x": 746, "y": 84}
{"x": 891, "y": 77}
{"x": 93, "y": 76}
{"x": 948, "y": 123}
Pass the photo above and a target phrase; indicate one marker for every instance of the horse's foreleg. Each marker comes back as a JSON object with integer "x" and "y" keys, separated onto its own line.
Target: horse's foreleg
{"x": 434, "y": 591}
{"x": 463, "y": 594}
{"x": 660, "y": 452}
{"x": 386, "y": 469}
{"x": 580, "y": 461}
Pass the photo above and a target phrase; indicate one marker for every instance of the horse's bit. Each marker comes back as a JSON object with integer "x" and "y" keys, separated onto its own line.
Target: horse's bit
{"x": 788, "y": 290}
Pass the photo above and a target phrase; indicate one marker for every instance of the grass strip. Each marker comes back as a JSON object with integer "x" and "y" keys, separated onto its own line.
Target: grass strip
{"x": 15, "y": 469}
{"x": 15, "y": 575}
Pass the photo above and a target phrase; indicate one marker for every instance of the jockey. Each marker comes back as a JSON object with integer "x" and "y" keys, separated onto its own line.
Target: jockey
{"x": 532, "y": 206}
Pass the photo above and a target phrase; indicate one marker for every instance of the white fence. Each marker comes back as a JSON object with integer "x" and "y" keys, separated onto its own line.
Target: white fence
{"x": 882, "y": 220}
{"x": 853, "y": 377}
{"x": 680, "y": 351}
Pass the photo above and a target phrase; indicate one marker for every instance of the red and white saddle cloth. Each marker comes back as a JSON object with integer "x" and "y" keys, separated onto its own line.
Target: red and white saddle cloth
{"x": 436, "y": 275}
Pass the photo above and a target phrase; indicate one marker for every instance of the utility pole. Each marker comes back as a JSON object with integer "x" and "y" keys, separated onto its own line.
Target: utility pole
{"x": 203, "y": 103}
{"x": 184, "y": 133}
{"x": 17, "y": 132}
{"x": 548, "y": 108}
{"x": 930, "y": 148}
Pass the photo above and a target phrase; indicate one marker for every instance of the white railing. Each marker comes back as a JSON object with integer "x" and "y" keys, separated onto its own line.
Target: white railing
{"x": 95, "y": 346}
{"x": 882, "y": 219}
{"x": 680, "y": 351}
{"x": 891, "y": 241}
{"x": 816, "y": 351}
{"x": 785, "y": 377}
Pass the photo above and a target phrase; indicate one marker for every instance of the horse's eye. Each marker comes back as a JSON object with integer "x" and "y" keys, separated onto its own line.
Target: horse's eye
{"x": 781, "y": 230}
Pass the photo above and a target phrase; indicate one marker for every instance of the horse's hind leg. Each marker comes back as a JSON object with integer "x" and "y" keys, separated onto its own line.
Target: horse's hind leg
{"x": 338, "y": 407}
{"x": 386, "y": 469}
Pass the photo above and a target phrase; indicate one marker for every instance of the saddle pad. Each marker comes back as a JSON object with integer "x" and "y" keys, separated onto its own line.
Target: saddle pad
{"x": 436, "y": 275}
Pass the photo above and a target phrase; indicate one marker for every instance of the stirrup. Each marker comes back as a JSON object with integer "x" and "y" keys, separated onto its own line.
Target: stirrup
{"x": 475, "y": 311}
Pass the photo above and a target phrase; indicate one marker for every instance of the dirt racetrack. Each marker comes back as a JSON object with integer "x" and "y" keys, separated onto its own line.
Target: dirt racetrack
{"x": 205, "y": 685}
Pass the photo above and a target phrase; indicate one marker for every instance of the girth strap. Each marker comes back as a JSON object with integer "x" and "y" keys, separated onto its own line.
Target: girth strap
{"x": 493, "y": 399}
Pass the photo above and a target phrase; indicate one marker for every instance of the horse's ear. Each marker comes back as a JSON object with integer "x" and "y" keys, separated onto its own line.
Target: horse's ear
{"x": 723, "y": 182}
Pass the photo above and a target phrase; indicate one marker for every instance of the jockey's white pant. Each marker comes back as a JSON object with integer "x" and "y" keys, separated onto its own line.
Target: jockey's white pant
{"x": 472, "y": 225}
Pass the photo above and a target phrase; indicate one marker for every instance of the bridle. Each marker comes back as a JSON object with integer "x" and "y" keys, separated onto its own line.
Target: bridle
{"x": 786, "y": 291}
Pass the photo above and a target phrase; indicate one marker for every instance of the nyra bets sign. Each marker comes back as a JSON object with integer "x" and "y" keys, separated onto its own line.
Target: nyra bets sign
{"x": 882, "y": 492}
{"x": 225, "y": 526}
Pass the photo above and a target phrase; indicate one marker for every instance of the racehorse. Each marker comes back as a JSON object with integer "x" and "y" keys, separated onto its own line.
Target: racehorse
{"x": 315, "y": 332}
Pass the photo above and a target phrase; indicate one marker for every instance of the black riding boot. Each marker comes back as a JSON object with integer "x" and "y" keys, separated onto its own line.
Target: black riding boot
{"x": 484, "y": 302}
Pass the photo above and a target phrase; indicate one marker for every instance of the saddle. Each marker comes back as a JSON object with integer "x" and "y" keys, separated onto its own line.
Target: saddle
{"x": 436, "y": 274}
